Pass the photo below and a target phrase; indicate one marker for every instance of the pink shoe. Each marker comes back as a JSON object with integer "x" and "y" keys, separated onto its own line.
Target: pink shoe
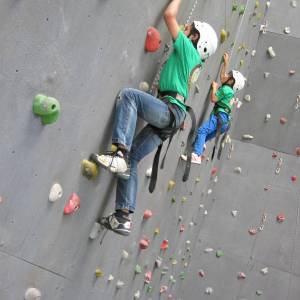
{"x": 72, "y": 205}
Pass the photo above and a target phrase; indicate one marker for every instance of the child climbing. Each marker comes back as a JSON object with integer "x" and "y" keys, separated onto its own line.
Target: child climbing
{"x": 164, "y": 114}
{"x": 223, "y": 100}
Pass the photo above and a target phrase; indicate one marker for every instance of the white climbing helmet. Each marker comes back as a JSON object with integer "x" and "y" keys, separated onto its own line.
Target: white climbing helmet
{"x": 208, "y": 41}
{"x": 239, "y": 80}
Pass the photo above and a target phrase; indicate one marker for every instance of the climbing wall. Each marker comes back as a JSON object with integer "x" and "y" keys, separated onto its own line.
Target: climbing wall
{"x": 230, "y": 232}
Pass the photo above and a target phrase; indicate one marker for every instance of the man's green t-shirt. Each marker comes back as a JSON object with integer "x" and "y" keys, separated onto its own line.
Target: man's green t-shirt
{"x": 177, "y": 71}
{"x": 224, "y": 94}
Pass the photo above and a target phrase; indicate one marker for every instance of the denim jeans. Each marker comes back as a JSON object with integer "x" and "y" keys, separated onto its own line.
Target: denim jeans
{"x": 130, "y": 105}
{"x": 208, "y": 131}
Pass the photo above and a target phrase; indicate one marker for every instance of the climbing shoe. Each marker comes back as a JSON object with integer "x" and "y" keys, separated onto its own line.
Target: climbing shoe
{"x": 118, "y": 224}
{"x": 196, "y": 159}
{"x": 116, "y": 161}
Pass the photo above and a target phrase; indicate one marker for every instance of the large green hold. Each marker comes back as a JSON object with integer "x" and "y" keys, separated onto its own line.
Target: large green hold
{"x": 47, "y": 108}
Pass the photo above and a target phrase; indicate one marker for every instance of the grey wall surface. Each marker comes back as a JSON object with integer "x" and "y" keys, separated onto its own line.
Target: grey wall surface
{"x": 83, "y": 53}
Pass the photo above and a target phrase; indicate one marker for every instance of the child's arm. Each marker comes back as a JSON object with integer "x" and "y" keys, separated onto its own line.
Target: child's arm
{"x": 213, "y": 97}
{"x": 223, "y": 75}
{"x": 170, "y": 15}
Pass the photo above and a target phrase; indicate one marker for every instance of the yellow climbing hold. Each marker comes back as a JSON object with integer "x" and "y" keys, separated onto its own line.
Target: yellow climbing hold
{"x": 183, "y": 199}
{"x": 156, "y": 231}
{"x": 223, "y": 35}
{"x": 171, "y": 184}
{"x": 113, "y": 148}
{"x": 99, "y": 273}
{"x": 89, "y": 169}
{"x": 256, "y": 4}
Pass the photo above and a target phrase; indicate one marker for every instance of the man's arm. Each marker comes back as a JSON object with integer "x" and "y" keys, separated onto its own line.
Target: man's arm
{"x": 223, "y": 75}
{"x": 213, "y": 97}
{"x": 170, "y": 15}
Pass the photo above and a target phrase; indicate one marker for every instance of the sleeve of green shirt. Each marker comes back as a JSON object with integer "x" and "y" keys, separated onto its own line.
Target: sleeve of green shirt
{"x": 224, "y": 93}
{"x": 182, "y": 45}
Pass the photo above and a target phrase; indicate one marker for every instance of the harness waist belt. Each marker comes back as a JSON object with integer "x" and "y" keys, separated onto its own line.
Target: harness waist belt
{"x": 174, "y": 95}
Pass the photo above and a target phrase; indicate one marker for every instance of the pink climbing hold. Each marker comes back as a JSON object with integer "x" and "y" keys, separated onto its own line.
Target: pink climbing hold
{"x": 252, "y": 231}
{"x": 144, "y": 243}
{"x": 274, "y": 154}
{"x": 298, "y": 151}
{"x": 1, "y": 199}
{"x": 72, "y": 205}
{"x": 283, "y": 120}
{"x": 147, "y": 214}
{"x": 163, "y": 289}
{"x": 201, "y": 273}
{"x": 148, "y": 277}
{"x": 153, "y": 40}
{"x": 214, "y": 171}
{"x": 181, "y": 229}
{"x": 164, "y": 245}
{"x": 241, "y": 275}
{"x": 294, "y": 178}
{"x": 280, "y": 218}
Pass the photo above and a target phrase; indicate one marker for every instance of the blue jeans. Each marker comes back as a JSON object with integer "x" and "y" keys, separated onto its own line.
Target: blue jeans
{"x": 208, "y": 131}
{"x": 130, "y": 105}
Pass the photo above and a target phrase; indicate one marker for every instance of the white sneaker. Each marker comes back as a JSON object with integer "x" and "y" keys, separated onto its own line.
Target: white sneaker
{"x": 196, "y": 159}
{"x": 114, "y": 161}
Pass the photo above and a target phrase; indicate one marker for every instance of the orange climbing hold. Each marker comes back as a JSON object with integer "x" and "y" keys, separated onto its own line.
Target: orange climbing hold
{"x": 147, "y": 214}
{"x": 164, "y": 245}
{"x": 298, "y": 151}
{"x": 144, "y": 243}
{"x": 72, "y": 205}
{"x": 153, "y": 40}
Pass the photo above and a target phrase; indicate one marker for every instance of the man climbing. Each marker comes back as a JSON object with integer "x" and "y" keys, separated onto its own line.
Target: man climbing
{"x": 191, "y": 48}
{"x": 223, "y": 100}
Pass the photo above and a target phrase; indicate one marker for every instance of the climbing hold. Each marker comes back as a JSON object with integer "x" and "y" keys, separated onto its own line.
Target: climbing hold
{"x": 1, "y": 199}
{"x": 266, "y": 74}
{"x": 99, "y": 273}
{"x": 242, "y": 9}
{"x": 247, "y": 98}
{"x": 283, "y": 120}
{"x": 164, "y": 245}
{"x": 32, "y": 294}
{"x": 144, "y": 243}
{"x": 110, "y": 277}
{"x": 171, "y": 184}
{"x": 241, "y": 275}
{"x": 173, "y": 261}
{"x": 94, "y": 231}
{"x": 205, "y": 212}
{"x": 294, "y": 178}
{"x": 223, "y": 35}
{"x": 241, "y": 63}
{"x": 149, "y": 289}
{"x": 181, "y": 229}
{"x": 214, "y": 171}
{"x": 163, "y": 289}
{"x": 158, "y": 262}
{"x": 209, "y": 290}
{"x": 89, "y": 169}
{"x": 201, "y": 273}
{"x": 287, "y": 30}
{"x": 280, "y": 218}
{"x": 279, "y": 165}
{"x": 165, "y": 269}
{"x": 147, "y": 214}
{"x": 183, "y": 199}
{"x": 188, "y": 242}
{"x": 274, "y": 154}
{"x": 294, "y": 3}
{"x": 234, "y": 213}
{"x": 264, "y": 271}
{"x": 208, "y": 250}
{"x": 247, "y": 137}
{"x": 209, "y": 191}
{"x": 149, "y": 172}
{"x": 268, "y": 4}
{"x": 137, "y": 294}
{"x": 252, "y": 231}
{"x": 298, "y": 151}
{"x": 197, "y": 180}
{"x": 144, "y": 86}
{"x": 234, "y": 7}
{"x": 72, "y": 205}
{"x": 256, "y": 4}
{"x": 259, "y": 292}
{"x": 292, "y": 72}
{"x": 120, "y": 284}
{"x": 148, "y": 277}
{"x": 173, "y": 200}
{"x": 253, "y": 52}
{"x": 124, "y": 254}
{"x": 267, "y": 117}
{"x": 55, "y": 192}
{"x": 219, "y": 253}
{"x": 47, "y": 108}
{"x": 156, "y": 231}
{"x": 237, "y": 170}
{"x": 191, "y": 224}
{"x": 138, "y": 269}
{"x": 271, "y": 52}
{"x": 182, "y": 275}
{"x": 113, "y": 148}
{"x": 180, "y": 218}
{"x": 153, "y": 40}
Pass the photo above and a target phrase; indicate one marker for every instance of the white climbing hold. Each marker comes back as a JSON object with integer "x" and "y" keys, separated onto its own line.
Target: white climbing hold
{"x": 268, "y": 4}
{"x": 237, "y": 170}
{"x": 209, "y": 290}
{"x": 125, "y": 254}
{"x": 137, "y": 294}
{"x": 144, "y": 86}
{"x": 201, "y": 206}
{"x": 248, "y": 137}
{"x": 32, "y": 294}
{"x": 56, "y": 192}
{"x": 205, "y": 212}
{"x": 287, "y": 30}
{"x": 191, "y": 224}
{"x": 253, "y": 52}
{"x": 149, "y": 172}
{"x": 180, "y": 218}
{"x": 95, "y": 230}
{"x": 188, "y": 242}
{"x": 264, "y": 271}
{"x": 267, "y": 117}
{"x": 110, "y": 277}
{"x": 215, "y": 179}
{"x": 247, "y": 98}
{"x": 266, "y": 74}
{"x": 294, "y": 3}
{"x": 234, "y": 213}
{"x": 158, "y": 262}
{"x": 239, "y": 104}
{"x": 209, "y": 191}
{"x": 208, "y": 250}
{"x": 120, "y": 284}
{"x": 297, "y": 102}
{"x": 271, "y": 52}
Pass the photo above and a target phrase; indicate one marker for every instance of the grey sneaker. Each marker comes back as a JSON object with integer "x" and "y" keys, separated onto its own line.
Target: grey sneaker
{"x": 119, "y": 225}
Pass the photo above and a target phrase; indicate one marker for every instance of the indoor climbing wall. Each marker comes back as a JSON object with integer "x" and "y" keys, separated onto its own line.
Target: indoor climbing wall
{"x": 230, "y": 232}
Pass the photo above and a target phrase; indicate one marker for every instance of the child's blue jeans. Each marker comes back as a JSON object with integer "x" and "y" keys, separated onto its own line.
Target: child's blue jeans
{"x": 208, "y": 131}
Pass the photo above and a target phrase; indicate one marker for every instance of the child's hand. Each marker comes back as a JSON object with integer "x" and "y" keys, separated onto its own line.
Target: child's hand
{"x": 214, "y": 85}
{"x": 226, "y": 58}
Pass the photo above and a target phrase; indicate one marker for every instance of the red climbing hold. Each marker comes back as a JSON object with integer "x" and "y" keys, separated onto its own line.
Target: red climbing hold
{"x": 280, "y": 218}
{"x": 298, "y": 151}
{"x": 201, "y": 273}
{"x": 148, "y": 277}
{"x": 283, "y": 120}
{"x": 164, "y": 245}
{"x": 294, "y": 178}
{"x": 181, "y": 228}
{"x": 274, "y": 154}
{"x": 163, "y": 289}
{"x": 153, "y": 40}
{"x": 214, "y": 171}
{"x": 147, "y": 214}
{"x": 72, "y": 205}
{"x": 144, "y": 243}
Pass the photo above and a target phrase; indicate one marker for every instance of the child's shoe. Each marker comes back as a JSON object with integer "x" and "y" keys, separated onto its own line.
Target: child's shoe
{"x": 196, "y": 159}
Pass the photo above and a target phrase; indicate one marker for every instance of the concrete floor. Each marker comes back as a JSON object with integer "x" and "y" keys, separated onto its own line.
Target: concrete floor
{"x": 82, "y": 53}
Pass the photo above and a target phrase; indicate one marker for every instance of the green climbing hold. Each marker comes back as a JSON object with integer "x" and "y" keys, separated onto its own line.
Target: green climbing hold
{"x": 259, "y": 292}
{"x": 242, "y": 9}
{"x": 138, "y": 269}
{"x": 182, "y": 275}
{"x": 47, "y": 108}
{"x": 219, "y": 253}
{"x": 173, "y": 200}
{"x": 234, "y": 7}
{"x": 149, "y": 289}
{"x": 183, "y": 199}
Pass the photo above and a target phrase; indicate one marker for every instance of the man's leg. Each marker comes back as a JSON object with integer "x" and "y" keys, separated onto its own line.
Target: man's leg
{"x": 144, "y": 143}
